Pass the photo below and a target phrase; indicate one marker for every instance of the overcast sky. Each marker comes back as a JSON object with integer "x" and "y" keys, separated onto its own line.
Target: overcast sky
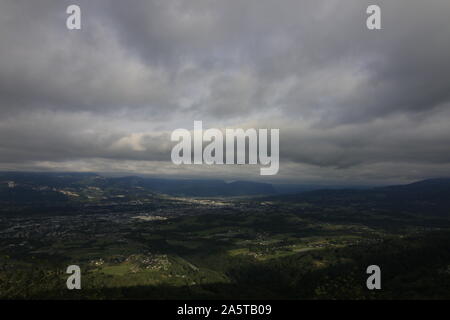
{"x": 352, "y": 105}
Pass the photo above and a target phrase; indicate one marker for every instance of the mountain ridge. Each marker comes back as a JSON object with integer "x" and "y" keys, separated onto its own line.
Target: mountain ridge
{"x": 179, "y": 187}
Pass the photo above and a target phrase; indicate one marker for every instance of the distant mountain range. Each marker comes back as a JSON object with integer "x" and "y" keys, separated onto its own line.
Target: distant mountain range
{"x": 432, "y": 195}
{"x": 202, "y": 188}
{"x": 181, "y": 187}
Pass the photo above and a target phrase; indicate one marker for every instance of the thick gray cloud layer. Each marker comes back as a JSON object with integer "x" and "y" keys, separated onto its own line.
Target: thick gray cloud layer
{"x": 351, "y": 104}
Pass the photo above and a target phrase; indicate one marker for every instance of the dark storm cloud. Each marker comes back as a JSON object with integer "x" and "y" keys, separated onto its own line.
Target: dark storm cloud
{"x": 350, "y": 103}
